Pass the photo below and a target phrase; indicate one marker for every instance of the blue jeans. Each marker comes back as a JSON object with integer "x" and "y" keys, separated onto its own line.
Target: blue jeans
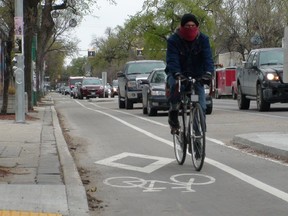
{"x": 174, "y": 96}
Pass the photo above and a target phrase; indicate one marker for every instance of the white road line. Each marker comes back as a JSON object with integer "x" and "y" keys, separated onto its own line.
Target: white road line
{"x": 145, "y": 119}
{"x": 248, "y": 179}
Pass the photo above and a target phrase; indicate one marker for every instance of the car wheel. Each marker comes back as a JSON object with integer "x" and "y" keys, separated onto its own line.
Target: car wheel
{"x": 121, "y": 103}
{"x": 128, "y": 103}
{"x": 243, "y": 102}
{"x": 209, "y": 108}
{"x": 262, "y": 105}
{"x": 150, "y": 110}
{"x": 144, "y": 110}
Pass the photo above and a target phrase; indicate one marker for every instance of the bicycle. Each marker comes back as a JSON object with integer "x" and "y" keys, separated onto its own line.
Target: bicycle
{"x": 192, "y": 131}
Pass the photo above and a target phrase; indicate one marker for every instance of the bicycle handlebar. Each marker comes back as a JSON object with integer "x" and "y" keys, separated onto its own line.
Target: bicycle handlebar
{"x": 205, "y": 79}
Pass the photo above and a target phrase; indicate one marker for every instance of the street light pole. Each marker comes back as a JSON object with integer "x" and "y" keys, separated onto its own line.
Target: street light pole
{"x": 19, "y": 72}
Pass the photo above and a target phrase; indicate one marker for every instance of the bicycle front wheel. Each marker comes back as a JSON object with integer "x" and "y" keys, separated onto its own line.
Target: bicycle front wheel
{"x": 179, "y": 140}
{"x": 197, "y": 136}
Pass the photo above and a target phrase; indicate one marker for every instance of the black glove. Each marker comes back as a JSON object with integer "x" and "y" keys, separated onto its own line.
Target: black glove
{"x": 177, "y": 75}
{"x": 206, "y": 78}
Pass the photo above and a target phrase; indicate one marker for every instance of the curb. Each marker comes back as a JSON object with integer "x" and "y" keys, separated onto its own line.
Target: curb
{"x": 270, "y": 143}
{"x": 76, "y": 193}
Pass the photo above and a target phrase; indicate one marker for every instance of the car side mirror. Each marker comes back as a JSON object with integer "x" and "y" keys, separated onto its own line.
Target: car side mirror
{"x": 143, "y": 82}
{"x": 248, "y": 65}
{"x": 120, "y": 74}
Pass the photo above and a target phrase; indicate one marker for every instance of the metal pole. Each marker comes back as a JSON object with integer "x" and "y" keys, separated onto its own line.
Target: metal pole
{"x": 19, "y": 72}
{"x": 104, "y": 81}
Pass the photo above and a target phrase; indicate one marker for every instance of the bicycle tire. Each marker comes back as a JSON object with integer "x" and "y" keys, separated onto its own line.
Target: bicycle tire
{"x": 179, "y": 140}
{"x": 197, "y": 136}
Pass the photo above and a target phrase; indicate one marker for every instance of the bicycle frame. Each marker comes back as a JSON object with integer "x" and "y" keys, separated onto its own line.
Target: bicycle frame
{"x": 194, "y": 125}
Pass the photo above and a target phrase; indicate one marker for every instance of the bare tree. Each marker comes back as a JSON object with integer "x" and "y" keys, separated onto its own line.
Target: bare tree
{"x": 244, "y": 25}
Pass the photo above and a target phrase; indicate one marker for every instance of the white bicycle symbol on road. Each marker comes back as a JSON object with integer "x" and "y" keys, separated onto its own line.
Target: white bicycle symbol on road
{"x": 183, "y": 181}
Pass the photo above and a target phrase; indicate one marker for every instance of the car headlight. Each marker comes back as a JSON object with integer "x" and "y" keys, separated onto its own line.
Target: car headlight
{"x": 207, "y": 89}
{"x": 131, "y": 84}
{"x": 272, "y": 76}
{"x": 157, "y": 93}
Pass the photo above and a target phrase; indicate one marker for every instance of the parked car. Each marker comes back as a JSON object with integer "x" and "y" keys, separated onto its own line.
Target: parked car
{"x": 154, "y": 97}
{"x": 107, "y": 90}
{"x": 129, "y": 80}
{"x": 153, "y": 93}
{"x": 66, "y": 90}
{"x": 72, "y": 81}
{"x": 114, "y": 89}
{"x": 74, "y": 91}
{"x": 90, "y": 87}
{"x": 261, "y": 79}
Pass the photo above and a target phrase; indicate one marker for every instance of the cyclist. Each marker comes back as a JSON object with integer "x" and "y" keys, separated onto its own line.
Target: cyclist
{"x": 189, "y": 54}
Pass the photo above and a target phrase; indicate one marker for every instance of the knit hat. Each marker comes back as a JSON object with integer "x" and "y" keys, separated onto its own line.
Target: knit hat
{"x": 189, "y": 17}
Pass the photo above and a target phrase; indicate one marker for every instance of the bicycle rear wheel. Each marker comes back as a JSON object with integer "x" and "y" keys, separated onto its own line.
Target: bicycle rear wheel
{"x": 197, "y": 136}
{"x": 179, "y": 140}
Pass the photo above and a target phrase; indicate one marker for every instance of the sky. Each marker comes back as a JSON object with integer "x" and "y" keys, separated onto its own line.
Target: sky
{"x": 107, "y": 16}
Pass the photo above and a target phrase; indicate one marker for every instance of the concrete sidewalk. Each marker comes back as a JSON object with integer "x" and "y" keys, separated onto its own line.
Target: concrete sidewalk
{"x": 272, "y": 143}
{"x": 38, "y": 174}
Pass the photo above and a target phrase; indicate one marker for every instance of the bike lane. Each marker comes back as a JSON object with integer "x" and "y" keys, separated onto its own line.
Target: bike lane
{"x": 130, "y": 182}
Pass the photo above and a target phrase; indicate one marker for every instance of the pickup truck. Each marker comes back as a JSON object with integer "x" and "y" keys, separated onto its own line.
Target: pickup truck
{"x": 130, "y": 79}
{"x": 261, "y": 79}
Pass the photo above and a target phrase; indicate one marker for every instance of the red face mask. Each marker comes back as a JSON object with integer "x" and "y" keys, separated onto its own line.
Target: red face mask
{"x": 189, "y": 34}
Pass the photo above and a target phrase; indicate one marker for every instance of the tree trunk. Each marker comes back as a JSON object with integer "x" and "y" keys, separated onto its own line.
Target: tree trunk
{"x": 44, "y": 35}
{"x": 8, "y": 72}
{"x": 30, "y": 22}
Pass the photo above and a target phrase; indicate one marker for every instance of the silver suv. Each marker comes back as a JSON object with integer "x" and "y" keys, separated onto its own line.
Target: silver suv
{"x": 129, "y": 81}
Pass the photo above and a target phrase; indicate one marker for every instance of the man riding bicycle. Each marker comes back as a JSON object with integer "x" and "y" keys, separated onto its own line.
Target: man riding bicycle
{"x": 188, "y": 54}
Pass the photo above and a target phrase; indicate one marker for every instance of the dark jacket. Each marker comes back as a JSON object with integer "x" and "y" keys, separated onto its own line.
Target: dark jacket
{"x": 189, "y": 58}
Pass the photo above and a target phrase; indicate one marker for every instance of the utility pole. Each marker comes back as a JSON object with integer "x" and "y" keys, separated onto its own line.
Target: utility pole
{"x": 19, "y": 72}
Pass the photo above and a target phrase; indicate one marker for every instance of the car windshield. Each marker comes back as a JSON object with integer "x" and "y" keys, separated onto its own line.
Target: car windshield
{"x": 272, "y": 57}
{"x": 144, "y": 67}
{"x": 92, "y": 82}
{"x": 159, "y": 77}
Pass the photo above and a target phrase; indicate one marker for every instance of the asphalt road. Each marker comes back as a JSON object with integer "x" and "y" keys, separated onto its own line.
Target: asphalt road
{"x": 127, "y": 163}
